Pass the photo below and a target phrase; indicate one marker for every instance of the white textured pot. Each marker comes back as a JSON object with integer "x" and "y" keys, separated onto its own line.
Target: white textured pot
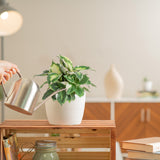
{"x": 66, "y": 114}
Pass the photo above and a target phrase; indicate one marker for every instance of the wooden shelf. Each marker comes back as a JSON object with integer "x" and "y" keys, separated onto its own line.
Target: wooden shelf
{"x": 89, "y": 134}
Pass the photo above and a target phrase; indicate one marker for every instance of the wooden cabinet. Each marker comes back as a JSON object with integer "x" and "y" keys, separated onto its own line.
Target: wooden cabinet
{"x": 97, "y": 111}
{"x": 137, "y": 120}
{"x": 129, "y": 120}
{"x": 133, "y": 120}
{"x": 152, "y": 127}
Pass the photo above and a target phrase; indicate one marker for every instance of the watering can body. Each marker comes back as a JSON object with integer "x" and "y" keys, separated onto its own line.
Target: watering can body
{"x": 23, "y": 96}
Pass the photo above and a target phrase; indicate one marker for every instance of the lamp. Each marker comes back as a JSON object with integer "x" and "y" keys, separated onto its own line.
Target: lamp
{"x": 10, "y": 22}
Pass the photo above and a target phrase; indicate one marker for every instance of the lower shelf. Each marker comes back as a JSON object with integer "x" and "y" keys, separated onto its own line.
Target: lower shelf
{"x": 88, "y": 141}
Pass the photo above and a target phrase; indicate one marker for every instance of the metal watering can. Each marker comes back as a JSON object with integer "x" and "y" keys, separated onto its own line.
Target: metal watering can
{"x": 24, "y": 95}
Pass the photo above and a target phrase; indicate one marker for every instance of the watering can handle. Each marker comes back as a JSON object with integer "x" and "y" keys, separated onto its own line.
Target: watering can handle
{"x": 54, "y": 93}
{"x": 4, "y": 91}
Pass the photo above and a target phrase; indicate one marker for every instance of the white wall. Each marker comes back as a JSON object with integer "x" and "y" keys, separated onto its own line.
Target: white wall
{"x": 90, "y": 32}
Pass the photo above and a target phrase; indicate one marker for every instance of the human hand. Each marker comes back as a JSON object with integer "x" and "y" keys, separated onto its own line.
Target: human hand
{"x": 7, "y": 70}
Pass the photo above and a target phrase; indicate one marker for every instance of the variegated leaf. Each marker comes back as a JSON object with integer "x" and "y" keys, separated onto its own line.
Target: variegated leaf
{"x": 61, "y": 97}
{"x": 53, "y": 77}
{"x": 55, "y": 68}
{"x": 79, "y": 91}
{"x": 66, "y": 62}
{"x": 80, "y": 68}
{"x": 79, "y": 75}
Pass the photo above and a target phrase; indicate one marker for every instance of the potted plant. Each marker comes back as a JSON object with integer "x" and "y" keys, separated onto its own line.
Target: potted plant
{"x": 66, "y": 107}
{"x": 147, "y": 84}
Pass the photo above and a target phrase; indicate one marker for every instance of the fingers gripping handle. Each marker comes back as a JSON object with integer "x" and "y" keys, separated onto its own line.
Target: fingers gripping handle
{"x": 20, "y": 76}
{"x": 4, "y": 91}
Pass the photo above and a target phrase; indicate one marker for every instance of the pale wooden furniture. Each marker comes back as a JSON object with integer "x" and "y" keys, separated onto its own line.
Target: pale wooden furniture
{"x": 89, "y": 134}
{"x": 135, "y": 118}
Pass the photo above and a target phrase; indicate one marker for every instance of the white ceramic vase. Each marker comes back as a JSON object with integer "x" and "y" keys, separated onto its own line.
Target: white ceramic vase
{"x": 70, "y": 113}
{"x": 113, "y": 84}
{"x": 147, "y": 86}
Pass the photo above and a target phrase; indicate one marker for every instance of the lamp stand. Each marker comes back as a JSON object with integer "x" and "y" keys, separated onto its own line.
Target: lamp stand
{"x": 2, "y": 58}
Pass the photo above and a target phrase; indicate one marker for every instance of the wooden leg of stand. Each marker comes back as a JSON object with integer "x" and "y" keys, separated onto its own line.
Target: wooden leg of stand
{"x": 1, "y": 145}
{"x": 113, "y": 144}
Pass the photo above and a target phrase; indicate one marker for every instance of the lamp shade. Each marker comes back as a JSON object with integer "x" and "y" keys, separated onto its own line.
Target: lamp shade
{"x": 10, "y": 20}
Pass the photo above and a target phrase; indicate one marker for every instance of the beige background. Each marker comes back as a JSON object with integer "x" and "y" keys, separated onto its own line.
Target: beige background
{"x": 90, "y": 32}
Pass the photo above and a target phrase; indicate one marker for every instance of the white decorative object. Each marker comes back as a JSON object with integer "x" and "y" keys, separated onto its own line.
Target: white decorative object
{"x": 147, "y": 85}
{"x": 70, "y": 113}
{"x": 113, "y": 84}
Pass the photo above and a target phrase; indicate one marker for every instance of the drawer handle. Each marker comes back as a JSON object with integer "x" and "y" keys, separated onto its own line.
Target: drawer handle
{"x": 142, "y": 115}
{"x": 148, "y": 115}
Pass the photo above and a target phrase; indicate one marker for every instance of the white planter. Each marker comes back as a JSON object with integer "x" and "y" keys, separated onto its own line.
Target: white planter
{"x": 66, "y": 114}
{"x": 148, "y": 86}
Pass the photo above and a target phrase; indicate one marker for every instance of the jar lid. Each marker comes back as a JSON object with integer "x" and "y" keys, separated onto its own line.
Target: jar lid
{"x": 45, "y": 143}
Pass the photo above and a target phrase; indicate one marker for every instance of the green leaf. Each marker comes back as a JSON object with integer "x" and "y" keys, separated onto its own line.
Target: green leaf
{"x": 68, "y": 98}
{"x": 84, "y": 79}
{"x": 61, "y": 97}
{"x": 79, "y": 75}
{"x": 93, "y": 85}
{"x": 43, "y": 84}
{"x": 73, "y": 96}
{"x": 66, "y": 62}
{"x": 56, "y": 86}
{"x": 71, "y": 89}
{"x": 47, "y": 93}
{"x": 55, "y": 68}
{"x": 54, "y": 97}
{"x": 90, "y": 83}
{"x": 55, "y": 134}
{"x": 53, "y": 77}
{"x": 79, "y": 91}
{"x": 45, "y": 73}
{"x": 63, "y": 69}
{"x": 80, "y": 68}
{"x": 86, "y": 89}
{"x": 69, "y": 78}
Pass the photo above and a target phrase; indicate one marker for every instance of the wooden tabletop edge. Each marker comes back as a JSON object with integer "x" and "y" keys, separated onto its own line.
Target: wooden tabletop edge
{"x": 44, "y": 124}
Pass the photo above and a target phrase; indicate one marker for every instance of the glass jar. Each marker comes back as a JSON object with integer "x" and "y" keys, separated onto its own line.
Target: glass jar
{"x": 45, "y": 150}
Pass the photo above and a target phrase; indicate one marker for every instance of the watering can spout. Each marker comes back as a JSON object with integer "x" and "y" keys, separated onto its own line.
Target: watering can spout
{"x": 54, "y": 93}
{"x": 24, "y": 95}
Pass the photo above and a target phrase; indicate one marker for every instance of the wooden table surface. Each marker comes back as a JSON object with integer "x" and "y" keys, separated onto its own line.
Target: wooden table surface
{"x": 39, "y": 124}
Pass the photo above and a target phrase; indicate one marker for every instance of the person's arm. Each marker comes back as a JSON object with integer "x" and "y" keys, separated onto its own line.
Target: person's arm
{"x": 7, "y": 69}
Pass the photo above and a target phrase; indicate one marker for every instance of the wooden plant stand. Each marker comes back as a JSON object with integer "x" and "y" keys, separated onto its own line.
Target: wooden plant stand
{"x": 90, "y": 134}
